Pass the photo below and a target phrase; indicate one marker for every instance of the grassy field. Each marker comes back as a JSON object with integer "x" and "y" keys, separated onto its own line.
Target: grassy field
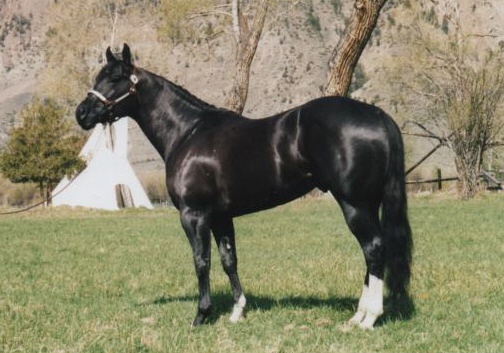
{"x": 87, "y": 281}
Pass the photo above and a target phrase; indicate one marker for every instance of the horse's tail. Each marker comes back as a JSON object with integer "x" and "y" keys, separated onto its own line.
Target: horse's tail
{"x": 394, "y": 220}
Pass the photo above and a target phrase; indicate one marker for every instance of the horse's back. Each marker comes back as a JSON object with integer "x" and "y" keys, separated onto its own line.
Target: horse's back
{"x": 336, "y": 112}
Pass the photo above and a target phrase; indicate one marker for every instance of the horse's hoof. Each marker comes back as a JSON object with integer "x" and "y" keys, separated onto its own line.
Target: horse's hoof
{"x": 236, "y": 317}
{"x": 198, "y": 321}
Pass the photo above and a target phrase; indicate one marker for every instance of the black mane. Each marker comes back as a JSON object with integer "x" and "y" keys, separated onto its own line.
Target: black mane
{"x": 190, "y": 98}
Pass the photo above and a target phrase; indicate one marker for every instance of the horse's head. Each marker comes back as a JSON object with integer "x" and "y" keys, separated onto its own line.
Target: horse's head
{"x": 110, "y": 97}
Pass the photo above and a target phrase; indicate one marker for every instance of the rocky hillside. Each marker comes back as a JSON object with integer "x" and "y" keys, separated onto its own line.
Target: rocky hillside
{"x": 289, "y": 68}
{"x": 22, "y": 34}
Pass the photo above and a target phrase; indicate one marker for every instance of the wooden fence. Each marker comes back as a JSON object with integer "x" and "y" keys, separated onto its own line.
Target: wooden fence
{"x": 492, "y": 183}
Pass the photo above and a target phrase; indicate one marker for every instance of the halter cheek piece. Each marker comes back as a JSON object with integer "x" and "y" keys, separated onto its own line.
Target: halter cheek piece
{"x": 110, "y": 104}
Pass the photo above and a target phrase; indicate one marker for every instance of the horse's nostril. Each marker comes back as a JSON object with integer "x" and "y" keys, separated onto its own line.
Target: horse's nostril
{"x": 80, "y": 112}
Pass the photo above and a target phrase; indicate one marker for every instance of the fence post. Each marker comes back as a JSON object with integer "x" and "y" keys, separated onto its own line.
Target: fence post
{"x": 439, "y": 179}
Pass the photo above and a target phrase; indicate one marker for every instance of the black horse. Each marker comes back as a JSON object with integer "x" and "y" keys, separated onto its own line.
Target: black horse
{"x": 220, "y": 165}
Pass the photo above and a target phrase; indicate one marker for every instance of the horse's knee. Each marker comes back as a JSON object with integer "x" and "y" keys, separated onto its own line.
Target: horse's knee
{"x": 228, "y": 255}
{"x": 229, "y": 266}
{"x": 202, "y": 266}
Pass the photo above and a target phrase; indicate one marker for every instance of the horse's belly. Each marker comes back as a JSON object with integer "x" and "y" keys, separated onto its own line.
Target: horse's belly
{"x": 265, "y": 192}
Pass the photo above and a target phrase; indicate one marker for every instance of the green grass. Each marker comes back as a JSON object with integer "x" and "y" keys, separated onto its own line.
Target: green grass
{"x": 87, "y": 281}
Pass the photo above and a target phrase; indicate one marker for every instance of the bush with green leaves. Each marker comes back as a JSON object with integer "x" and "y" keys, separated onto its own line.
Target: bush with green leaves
{"x": 42, "y": 149}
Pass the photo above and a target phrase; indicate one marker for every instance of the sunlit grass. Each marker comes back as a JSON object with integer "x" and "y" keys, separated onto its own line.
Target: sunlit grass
{"x": 87, "y": 281}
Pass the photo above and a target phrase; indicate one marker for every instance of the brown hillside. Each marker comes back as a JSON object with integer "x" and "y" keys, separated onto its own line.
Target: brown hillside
{"x": 289, "y": 68}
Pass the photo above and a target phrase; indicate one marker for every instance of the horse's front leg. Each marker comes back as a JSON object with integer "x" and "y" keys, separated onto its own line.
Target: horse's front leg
{"x": 197, "y": 228}
{"x": 223, "y": 230}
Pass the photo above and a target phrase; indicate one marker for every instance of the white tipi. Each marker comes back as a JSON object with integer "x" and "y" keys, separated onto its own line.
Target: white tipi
{"x": 108, "y": 181}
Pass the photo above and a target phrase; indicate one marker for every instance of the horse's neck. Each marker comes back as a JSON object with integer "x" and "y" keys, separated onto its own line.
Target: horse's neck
{"x": 165, "y": 116}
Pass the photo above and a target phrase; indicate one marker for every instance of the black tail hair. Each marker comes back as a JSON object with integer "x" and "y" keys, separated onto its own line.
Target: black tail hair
{"x": 394, "y": 221}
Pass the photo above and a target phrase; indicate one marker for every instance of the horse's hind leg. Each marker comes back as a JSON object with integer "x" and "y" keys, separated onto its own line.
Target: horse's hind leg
{"x": 224, "y": 234}
{"x": 364, "y": 224}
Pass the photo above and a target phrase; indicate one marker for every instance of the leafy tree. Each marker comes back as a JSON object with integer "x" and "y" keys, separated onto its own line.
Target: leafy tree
{"x": 466, "y": 113}
{"x": 42, "y": 149}
{"x": 452, "y": 83}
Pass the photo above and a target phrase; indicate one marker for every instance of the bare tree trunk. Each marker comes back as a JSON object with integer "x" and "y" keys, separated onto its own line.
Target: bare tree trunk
{"x": 49, "y": 189}
{"x": 468, "y": 170}
{"x": 247, "y": 41}
{"x": 236, "y": 14}
{"x": 349, "y": 49}
{"x": 45, "y": 193}
{"x": 113, "y": 17}
{"x": 42, "y": 192}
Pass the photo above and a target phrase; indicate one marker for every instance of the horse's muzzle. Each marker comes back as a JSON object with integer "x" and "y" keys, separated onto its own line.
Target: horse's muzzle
{"x": 87, "y": 117}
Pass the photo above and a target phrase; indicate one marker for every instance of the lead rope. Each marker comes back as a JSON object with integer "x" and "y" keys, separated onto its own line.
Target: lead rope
{"x": 26, "y": 209}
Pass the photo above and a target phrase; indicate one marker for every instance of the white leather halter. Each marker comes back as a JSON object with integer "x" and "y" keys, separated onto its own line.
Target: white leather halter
{"x": 110, "y": 103}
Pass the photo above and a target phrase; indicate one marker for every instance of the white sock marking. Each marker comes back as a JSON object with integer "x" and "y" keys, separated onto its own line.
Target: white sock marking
{"x": 237, "y": 313}
{"x": 374, "y": 303}
{"x": 370, "y": 304}
{"x": 361, "y": 309}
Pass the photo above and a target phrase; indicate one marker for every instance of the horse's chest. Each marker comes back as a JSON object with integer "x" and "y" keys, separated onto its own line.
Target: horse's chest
{"x": 196, "y": 180}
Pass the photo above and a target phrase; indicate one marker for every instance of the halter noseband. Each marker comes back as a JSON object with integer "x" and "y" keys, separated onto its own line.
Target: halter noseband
{"x": 110, "y": 104}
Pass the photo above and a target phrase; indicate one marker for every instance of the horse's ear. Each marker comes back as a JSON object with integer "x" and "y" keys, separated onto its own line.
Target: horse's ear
{"x": 126, "y": 54}
{"x": 109, "y": 55}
